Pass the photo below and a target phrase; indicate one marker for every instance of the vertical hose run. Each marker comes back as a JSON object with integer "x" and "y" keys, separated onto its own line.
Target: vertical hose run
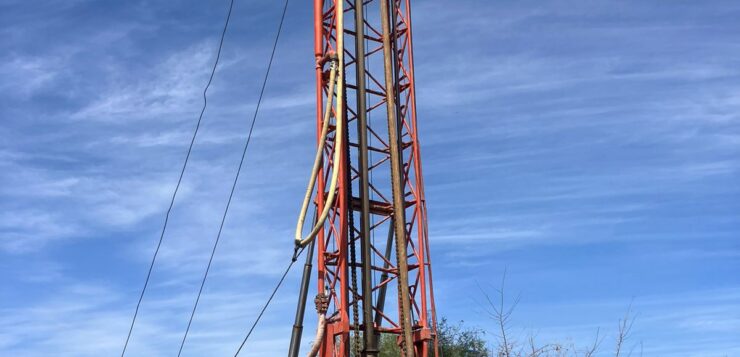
{"x": 338, "y": 136}
{"x": 336, "y": 75}
{"x": 320, "y": 332}
{"x": 322, "y": 304}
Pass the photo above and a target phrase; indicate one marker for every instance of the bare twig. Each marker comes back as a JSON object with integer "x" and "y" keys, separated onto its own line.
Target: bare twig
{"x": 498, "y": 311}
{"x": 625, "y": 327}
{"x": 595, "y": 346}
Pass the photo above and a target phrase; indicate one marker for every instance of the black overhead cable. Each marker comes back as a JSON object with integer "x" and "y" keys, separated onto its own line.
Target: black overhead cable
{"x": 296, "y": 254}
{"x": 236, "y": 179}
{"x": 179, "y": 180}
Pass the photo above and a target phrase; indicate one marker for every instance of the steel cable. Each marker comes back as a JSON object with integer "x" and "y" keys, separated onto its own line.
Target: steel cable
{"x": 179, "y": 180}
{"x": 296, "y": 254}
{"x": 236, "y": 179}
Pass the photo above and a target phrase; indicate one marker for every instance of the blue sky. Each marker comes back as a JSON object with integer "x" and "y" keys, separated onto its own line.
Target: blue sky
{"x": 591, "y": 149}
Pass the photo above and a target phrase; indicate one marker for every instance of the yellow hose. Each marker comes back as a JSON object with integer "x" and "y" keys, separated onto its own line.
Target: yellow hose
{"x": 336, "y": 74}
{"x": 337, "y": 70}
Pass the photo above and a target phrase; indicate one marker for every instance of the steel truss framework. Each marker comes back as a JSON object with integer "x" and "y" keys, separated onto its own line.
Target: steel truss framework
{"x": 333, "y": 242}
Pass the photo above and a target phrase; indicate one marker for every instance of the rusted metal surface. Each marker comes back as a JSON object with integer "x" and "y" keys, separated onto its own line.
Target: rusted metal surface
{"x": 399, "y": 212}
{"x": 387, "y": 178}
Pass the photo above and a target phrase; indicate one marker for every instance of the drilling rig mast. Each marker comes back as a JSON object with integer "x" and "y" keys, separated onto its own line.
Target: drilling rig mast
{"x": 367, "y": 180}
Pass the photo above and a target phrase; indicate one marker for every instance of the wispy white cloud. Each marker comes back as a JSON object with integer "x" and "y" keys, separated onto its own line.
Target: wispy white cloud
{"x": 91, "y": 320}
{"x": 172, "y": 90}
{"x": 578, "y": 128}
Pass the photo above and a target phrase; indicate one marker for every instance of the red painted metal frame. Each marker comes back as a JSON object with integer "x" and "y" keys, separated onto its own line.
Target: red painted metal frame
{"x": 333, "y": 240}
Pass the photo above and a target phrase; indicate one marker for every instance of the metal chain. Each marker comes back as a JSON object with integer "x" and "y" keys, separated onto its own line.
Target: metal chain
{"x": 401, "y": 313}
{"x": 352, "y": 250}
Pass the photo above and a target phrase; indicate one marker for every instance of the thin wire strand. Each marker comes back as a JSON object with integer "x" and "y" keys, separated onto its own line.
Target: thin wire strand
{"x": 179, "y": 180}
{"x": 236, "y": 178}
{"x": 269, "y": 300}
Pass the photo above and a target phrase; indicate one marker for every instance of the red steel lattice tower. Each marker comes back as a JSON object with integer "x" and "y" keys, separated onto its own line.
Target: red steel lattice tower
{"x": 372, "y": 251}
